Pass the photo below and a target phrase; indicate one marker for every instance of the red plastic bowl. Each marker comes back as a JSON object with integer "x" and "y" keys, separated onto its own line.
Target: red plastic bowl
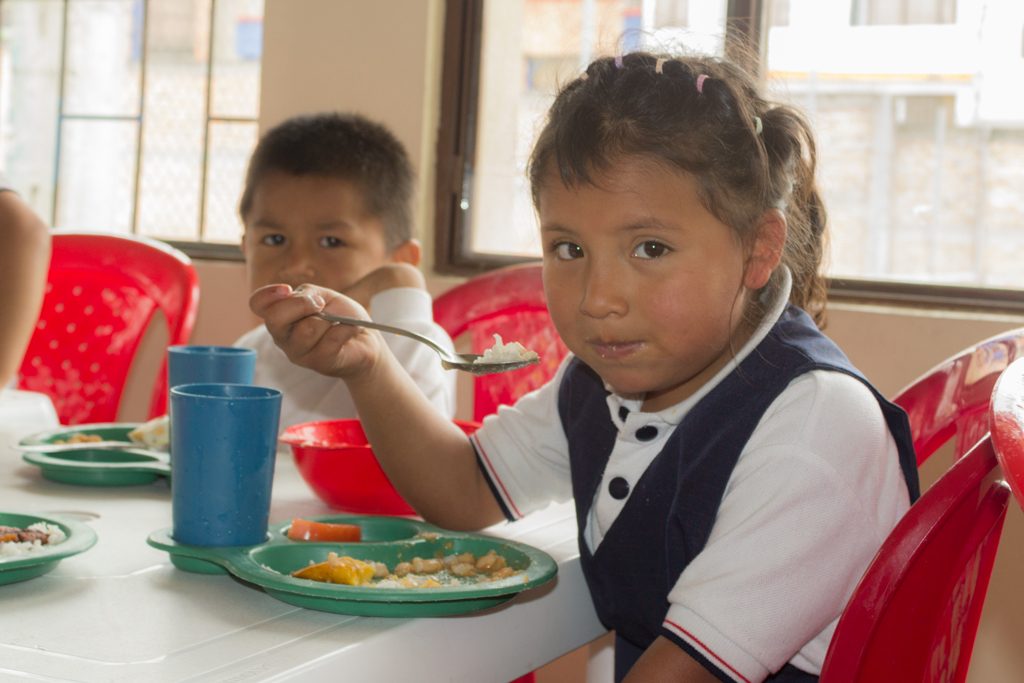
{"x": 335, "y": 460}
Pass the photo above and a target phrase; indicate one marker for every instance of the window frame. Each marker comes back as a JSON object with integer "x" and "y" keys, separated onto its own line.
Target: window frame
{"x": 195, "y": 249}
{"x": 456, "y": 144}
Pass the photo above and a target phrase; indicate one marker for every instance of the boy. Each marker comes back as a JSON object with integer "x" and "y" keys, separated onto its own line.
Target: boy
{"x": 327, "y": 202}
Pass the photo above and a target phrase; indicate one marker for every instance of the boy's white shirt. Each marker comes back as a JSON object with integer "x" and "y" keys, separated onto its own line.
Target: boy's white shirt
{"x": 308, "y": 395}
{"x": 803, "y": 513}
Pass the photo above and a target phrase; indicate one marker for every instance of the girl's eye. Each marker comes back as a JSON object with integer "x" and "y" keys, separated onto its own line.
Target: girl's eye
{"x": 272, "y": 240}
{"x": 331, "y": 242}
{"x": 568, "y": 251}
{"x": 650, "y": 250}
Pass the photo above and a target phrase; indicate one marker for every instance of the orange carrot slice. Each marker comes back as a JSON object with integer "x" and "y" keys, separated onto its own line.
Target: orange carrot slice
{"x": 308, "y": 530}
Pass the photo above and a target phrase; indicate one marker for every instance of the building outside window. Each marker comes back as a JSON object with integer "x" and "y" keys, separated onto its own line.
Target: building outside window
{"x": 915, "y": 103}
{"x": 131, "y": 116}
{"x": 920, "y": 129}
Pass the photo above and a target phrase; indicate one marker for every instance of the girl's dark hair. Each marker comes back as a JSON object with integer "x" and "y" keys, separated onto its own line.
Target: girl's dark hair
{"x": 624, "y": 107}
{"x": 345, "y": 146}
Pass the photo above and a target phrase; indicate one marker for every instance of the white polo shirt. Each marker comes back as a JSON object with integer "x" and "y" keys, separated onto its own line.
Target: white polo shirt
{"x": 815, "y": 491}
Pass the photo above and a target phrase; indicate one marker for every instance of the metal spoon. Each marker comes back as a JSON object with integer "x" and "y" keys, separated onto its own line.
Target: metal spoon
{"x": 467, "y": 362}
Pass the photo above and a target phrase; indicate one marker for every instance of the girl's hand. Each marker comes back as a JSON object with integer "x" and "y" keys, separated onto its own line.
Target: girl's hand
{"x": 336, "y": 350}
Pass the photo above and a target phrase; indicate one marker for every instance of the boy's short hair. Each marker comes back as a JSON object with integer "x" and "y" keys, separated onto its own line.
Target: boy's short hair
{"x": 344, "y": 146}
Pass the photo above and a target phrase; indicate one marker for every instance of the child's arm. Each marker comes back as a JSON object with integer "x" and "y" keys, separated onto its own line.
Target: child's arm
{"x": 388, "y": 276}
{"x": 428, "y": 459}
{"x": 395, "y": 294}
{"x": 665, "y": 661}
{"x": 23, "y": 266}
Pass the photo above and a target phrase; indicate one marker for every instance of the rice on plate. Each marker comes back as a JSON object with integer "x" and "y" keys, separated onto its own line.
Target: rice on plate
{"x": 34, "y": 538}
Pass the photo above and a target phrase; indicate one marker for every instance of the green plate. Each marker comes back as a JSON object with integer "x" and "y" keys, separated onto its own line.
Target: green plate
{"x": 385, "y": 539}
{"x": 80, "y": 537}
{"x": 96, "y": 466}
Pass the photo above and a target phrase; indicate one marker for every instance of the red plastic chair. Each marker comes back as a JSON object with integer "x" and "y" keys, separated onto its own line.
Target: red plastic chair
{"x": 915, "y": 612}
{"x": 101, "y": 295}
{"x": 1008, "y": 426}
{"x": 952, "y": 399}
{"x": 510, "y": 302}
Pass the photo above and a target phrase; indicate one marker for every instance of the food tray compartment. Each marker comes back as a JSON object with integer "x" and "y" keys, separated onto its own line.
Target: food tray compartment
{"x": 385, "y": 539}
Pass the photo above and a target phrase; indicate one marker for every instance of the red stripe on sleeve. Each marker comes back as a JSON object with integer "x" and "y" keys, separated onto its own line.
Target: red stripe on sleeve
{"x": 496, "y": 478}
{"x": 706, "y": 649}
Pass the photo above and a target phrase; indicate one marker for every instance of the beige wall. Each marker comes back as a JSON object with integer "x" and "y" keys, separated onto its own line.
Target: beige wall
{"x": 381, "y": 59}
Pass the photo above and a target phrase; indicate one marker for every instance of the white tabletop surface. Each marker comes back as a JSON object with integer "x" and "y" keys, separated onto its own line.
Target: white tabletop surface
{"x": 121, "y": 612}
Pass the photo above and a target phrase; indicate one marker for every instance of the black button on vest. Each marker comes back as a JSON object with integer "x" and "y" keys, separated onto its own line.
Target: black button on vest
{"x": 648, "y": 433}
{"x": 619, "y": 488}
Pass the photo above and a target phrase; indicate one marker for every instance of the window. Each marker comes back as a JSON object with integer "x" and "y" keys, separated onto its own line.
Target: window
{"x": 131, "y": 116}
{"x": 504, "y": 64}
{"x": 920, "y": 130}
{"x": 893, "y": 12}
{"x": 921, "y": 139}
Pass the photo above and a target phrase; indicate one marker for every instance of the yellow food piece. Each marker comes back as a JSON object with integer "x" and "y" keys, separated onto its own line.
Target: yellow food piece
{"x": 153, "y": 434}
{"x": 335, "y": 569}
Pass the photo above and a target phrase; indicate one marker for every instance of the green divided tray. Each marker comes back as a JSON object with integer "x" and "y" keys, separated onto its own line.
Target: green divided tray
{"x": 385, "y": 539}
{"x": 14, "y": 568}
{"x": 96, "y": 466}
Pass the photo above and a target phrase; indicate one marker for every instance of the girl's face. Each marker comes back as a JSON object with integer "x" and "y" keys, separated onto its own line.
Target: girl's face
{"x": 643, "y": 283}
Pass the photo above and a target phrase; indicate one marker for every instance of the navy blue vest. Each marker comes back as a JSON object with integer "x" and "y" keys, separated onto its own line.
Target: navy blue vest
{"x": 670, "y": 512}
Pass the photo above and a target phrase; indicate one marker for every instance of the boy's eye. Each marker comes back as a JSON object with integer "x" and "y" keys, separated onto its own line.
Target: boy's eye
{"x": 650, "y": 250}
{"x": 272, "y": 240}
{"x": 331, "y": 242}
{"x": 568, "y": 251}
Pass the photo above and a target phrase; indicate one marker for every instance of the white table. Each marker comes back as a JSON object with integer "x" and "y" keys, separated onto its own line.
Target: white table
{"x": 121, "y": 612}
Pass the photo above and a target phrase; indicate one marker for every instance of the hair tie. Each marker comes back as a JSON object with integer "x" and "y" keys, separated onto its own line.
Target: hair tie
{"x": 758, "y": 126}
{"x": 618, "y": 61}
{"x": 659, "y": 64}
{"x": 700, "y": 83}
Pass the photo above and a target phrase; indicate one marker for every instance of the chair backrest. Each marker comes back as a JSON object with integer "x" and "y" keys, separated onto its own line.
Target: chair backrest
{"x": 915, "y": 612}
{"x": 952, "y": 399}
{"x": 101, "y": 294}
{"x": 1008, "y": 426}
{"x": 510, "y": 302}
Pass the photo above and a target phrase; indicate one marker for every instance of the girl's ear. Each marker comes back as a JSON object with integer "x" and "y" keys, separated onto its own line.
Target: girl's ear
{"x": 766, "y": 253}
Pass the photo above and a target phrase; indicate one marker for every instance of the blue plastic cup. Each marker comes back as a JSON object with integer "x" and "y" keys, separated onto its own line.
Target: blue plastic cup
{"x": 196, "y": 364}
{"x": 222, "y": 472}
{"x": 190, "y": 364}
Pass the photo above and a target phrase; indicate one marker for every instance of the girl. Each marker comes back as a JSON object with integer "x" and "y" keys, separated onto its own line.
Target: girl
{"x": 733, "y": 474}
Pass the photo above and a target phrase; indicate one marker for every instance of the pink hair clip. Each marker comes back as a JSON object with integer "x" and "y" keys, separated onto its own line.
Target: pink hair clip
{"x": 659, "y": 64}
{"x": 700, "y": 83}
{"x": 618, "y": 61}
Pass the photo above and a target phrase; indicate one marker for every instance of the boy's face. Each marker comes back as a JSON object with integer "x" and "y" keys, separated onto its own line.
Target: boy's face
{"x": 311, "y": 229}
